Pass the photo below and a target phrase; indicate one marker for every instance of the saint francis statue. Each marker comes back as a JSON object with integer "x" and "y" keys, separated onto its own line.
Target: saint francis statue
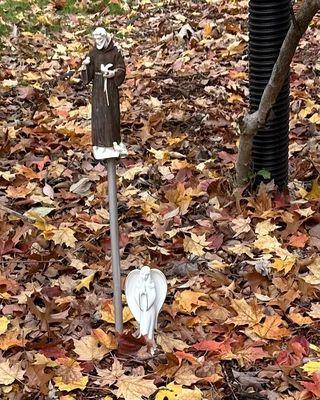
{"x": 105, "y": 67}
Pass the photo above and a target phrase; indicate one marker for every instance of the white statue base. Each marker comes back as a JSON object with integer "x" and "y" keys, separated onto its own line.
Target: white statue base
{"x": 103, "y": 153}
{"x": 146, "y": 290}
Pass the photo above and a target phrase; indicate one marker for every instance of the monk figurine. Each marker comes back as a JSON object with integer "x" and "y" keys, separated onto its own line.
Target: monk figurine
{"x": 105, "y": 67}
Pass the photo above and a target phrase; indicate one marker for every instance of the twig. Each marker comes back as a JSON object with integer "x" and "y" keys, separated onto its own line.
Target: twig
{"x": 15, "y": 213}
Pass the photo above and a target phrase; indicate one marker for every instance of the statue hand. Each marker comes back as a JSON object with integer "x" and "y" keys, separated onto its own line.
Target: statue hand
{"x": 86, "y": 61}
{"x": 109, "y": 74}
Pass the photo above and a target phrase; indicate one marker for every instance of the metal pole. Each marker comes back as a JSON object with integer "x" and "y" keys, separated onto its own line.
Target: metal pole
{"x": 114, "y": 233}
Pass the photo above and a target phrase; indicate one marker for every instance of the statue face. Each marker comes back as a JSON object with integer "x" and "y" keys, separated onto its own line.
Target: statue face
{"x": 100, "y": 40}
{"x": 144, "y": 273}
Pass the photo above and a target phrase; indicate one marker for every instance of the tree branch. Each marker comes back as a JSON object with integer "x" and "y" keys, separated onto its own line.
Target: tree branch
{"x": 252, "y": 122}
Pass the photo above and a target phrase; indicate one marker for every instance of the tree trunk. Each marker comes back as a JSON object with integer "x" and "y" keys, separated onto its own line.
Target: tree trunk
{"x": 252, "y": 122}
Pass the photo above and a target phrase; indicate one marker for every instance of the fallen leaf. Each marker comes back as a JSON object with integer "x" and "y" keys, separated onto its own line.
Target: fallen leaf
{"x": 248, "y": 314}
{"x": 135, "y": 387}
{"x": 8, "y": 374}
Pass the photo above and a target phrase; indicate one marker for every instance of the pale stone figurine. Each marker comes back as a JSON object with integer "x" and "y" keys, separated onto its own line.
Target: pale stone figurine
{"x": 146, "y": 290}
{"x": 105, "y": 67}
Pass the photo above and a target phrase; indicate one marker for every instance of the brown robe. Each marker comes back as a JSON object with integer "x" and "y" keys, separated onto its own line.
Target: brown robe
{"x": 105, "y": 118}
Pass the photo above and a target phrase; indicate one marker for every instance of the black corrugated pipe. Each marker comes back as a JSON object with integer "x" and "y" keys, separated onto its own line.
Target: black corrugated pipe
{"x": 269, "y": 21}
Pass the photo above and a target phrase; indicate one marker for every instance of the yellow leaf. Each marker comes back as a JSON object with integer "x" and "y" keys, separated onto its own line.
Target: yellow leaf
{"x": 9, "y": 374}
{"x": 285, "y": 265}
{"x": 315, "y": 119}
{"x": 235, "y": 98}
{"x": 311, "y": 367}
{"x": 80, "y": 384}
{"x": 107, "y": 313}
{"x": 315, "y": 191}
{"x": 64, "y": 235}
{"x": 45, "y": 20}
{"x": 85, "y": 282}
{"x": 248, "y": 314}
{"x": 31, "y": 76}
{"x": 267, "y": 243}
{"x": 176, "y": 392}
{"x": 188, "y": 301}
{"x": 135, "y": 387}
{"x": 4, "y": 322}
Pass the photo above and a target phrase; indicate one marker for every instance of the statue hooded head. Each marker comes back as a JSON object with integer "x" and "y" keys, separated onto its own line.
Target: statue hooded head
{"x": 101, "y": 37}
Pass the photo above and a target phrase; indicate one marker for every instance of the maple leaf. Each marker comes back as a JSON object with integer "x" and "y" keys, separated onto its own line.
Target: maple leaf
{"x": 88, "y": 348}
{"x": 188, "y": 301}
{"x": 315, "y": 310}
{"x": 265, "y": 227}
{"x": 285, "y": 264}
{"x": 195, "y": 244}
{"x": 174, "y": 391}
{"x": 64, "y": 235}
{"x": 314, "y": 268}
{"x": 313, "y": 387}
{"x": 185, "y": 375}
{"x": 247, "y": 314}
{"x": 240, "y": 225}
{"x": 311, "y": 367}
{"x": 298, "y": 241}
{"x": 80, "y": 384}
{"x": 270, "y": 329}
{"x": 8, "y": 374}
{"x": 135, "y": 387}
{"x": 10, "y": 339}
{"x": 107, "y": 377}
{"x": 168, "y": 343}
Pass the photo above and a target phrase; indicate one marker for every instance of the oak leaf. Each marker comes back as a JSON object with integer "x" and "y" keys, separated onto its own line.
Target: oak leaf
{"x": 315, "y": 311}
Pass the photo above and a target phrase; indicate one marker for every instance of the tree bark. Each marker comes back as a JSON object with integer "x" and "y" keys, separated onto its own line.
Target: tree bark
{"x": 252, "y": 122}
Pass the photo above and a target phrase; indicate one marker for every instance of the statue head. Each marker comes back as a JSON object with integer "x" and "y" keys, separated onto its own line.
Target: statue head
{"x": 145, "y": 273}
{"x": 101, "y": 37}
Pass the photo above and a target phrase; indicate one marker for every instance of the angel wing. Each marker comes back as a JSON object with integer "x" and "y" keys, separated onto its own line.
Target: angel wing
{"x": 132, "y": 281}
{"x": 130, "y": 288}
{"x": 161, "y": 286}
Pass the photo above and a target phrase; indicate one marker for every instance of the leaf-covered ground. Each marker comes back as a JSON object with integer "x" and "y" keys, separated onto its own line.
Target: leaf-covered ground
{"x": 241, "y": 319}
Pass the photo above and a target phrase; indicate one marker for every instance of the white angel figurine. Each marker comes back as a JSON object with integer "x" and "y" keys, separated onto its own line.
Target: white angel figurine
{"x": 146, "y": 290}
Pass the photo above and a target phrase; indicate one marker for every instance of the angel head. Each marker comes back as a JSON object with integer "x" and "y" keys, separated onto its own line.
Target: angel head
{"x": 101, "y": 37}
{"x": 145, "y": 273}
